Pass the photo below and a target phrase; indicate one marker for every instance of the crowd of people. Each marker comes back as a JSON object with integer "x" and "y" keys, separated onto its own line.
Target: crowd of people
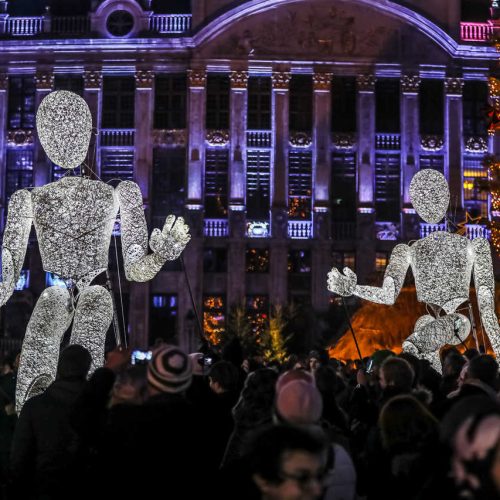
{"x": 179, "y": 426}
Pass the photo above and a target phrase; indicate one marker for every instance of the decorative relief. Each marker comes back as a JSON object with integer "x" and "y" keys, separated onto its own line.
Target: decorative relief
{"x": 4, "y": 81}
{"x": 453, "y": 86}
{"x": 217, "y": 137}
{"x": 20, "y": 137}
{"x": 387, "y": 231}
{"x": 197, "y": 78}
{"x": 44, "y": 80}
{"x": 344, "y": 141}
{"x": 366, "y": 83}
{"x": 431, "y": 143}
{"x": 410, "y": 84}
{"x": 239, "y": 79}
{"x": 144, "y": 79}
{"x": 281, "y": 80}
{"x": 300, "y": 139}
{"x": 476, "y": 145}
{"x": 322, "y": 81}
{"x": 92, "y": 79}
{"x": 172, "y": 137}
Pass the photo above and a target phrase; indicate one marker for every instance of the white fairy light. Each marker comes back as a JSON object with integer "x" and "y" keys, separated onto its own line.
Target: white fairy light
{"x": 442, "y": 264}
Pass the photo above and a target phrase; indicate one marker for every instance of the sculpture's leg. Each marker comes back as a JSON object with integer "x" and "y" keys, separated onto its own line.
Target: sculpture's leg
{"x": 94, "y": 313}
{"x": 40, "y": 352}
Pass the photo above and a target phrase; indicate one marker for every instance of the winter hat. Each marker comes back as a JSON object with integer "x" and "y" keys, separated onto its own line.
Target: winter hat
{"x": 292, "y": 375}
{"x": 74, "y": 362}
{"x": 299, "y": 403}
{"x": 170, "y": 370}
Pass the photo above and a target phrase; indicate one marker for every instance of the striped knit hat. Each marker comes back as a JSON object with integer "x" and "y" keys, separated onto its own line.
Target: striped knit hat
{"x": 170, "y": 370}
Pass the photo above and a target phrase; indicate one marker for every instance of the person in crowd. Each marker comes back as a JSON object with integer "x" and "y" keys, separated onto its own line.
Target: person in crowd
{"x": 130, "y": 386}
{"x": 45, "y": 448}
{"x": 452, "y": 362}
{"x": 313, "y": 361}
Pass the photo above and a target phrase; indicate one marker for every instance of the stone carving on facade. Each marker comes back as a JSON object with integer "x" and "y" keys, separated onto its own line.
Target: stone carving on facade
{"x": 20, "y": 137}
{"x": 171, "y": 137}
{"x": 432, "y": 142}
{"x": 239, "y": 79}
{"x": 92, "y": 79}
{"x": 366, "y": 83}
{"x": 144, "y": 79}
{"x": 476, "y": 145}
{"x": 387, "y": 231}
{"x": 344, "y": 141}
{"x": 410, "y": 84}
{"x": 322, "y": 82}
{"x": 4, "y": 81}
{"x": 281, "y": 80}
{"x": 197, "y": 78}
{"x": 454, "y": 86}
{"x": 300, "y": 139}
{"x": 44, "y": 80}
{"x": 217, "y": 137}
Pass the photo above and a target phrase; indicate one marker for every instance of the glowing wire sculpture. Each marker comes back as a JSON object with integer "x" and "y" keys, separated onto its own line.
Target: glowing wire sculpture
{"x": 442, "y": 264}
{"x": 74, "y": 219}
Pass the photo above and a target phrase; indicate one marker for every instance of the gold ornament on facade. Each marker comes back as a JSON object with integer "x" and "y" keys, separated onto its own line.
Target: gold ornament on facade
{"x": 239, "y": 79}
{"x": 344, "y": 141}
{"x": 432, "y": 143}
{"x": 300, "y": 139}
{"x": 476, "y": 145}
{"x": 366, "y": 83}
{"x": 454, "y": 86}
{"x": 144, "y": 79}
{"x": 322, "y": 81}
{"x": 171, "y": 137}
{"x": 281, "y": 80}
{"x": 92, "y": 79}
{"x": 20, "y": 137}
{"x": 197, "y": 78}
{"x": 410, "y": 84}
{"x": 44, "y": 80}
{"x": 217, "y": 137}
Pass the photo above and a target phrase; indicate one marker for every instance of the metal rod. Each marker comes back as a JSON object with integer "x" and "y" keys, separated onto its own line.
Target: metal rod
{"x": 352, "y": 329}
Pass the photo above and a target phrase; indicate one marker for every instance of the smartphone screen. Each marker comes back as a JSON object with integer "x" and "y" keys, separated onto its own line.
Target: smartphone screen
{"x": 138, "y": 357}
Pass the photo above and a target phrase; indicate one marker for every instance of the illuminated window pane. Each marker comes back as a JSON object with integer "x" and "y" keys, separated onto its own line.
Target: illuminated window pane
{"x": 380, "y": 261}
{"x": 216, "y": 182}
{"x": 258, "y": 184}
{"x": 343, "y": 187}
{"x": 387, "y": 187}
{"x": 214, "y": 318}
{"x": 258, "y": 312}
{"x": 350, "y": 260}
{"x": 117, "y": 165}
{"x": 257, "y": 260}
{"x": 475, "y": 182}
{"x": 436, "y": 162}
{"x": 344, "y": 259}
{"x": 23, "y": 282}
{"x": 299, "y": 184}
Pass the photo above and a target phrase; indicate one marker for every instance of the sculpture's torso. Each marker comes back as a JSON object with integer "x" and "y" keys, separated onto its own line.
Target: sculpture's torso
{"x": 442, "y": 266}
{"x": 74, "y": 219}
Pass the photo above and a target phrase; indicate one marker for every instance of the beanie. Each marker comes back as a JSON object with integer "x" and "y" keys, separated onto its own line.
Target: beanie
{"x": 299, "y": 403}
{"x": 170, "y": 370}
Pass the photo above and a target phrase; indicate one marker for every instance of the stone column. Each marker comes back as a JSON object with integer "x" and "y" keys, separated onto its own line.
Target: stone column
{"x": 44, "y": 81}
{"x": 321, "y": 251}
{"x": 409, "y": 149}
{"x": 365, "y": 226}
{"x": 4, "y": 106}
{"x": 92, "y": 93}
{"x": 453, "y": 142}
{"x": 279, "y": 252}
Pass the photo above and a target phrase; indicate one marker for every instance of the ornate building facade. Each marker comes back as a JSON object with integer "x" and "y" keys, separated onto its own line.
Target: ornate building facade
{"x": 285, "y": 131}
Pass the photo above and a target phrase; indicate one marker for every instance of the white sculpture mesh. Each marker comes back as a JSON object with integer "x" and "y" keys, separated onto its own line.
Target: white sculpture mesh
{"x": 74, "y": 219}
{"x": 442, "y": 264}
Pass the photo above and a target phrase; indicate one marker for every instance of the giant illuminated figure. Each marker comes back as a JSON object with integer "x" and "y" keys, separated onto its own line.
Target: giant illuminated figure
{"x": 442, "y": 264}
{"x": 74, "y": 219}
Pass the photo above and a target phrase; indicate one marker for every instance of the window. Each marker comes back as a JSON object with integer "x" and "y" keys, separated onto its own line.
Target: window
{"x": 435, "y": 162}
{"x": 117, "y": 165}
{"x": 299, "y": 184}
{"x": 344, "y": 259}
{"x": 23, "y": 283}
{"x": 118, "y": 102}
{"x": 171, "y": 7}
{"x": 343, "y": 187}
{"x": 301, "y": 103}
{"x": 299, "y": 261}
{"x": 257, "y": 260}
{"x": 477, "y": 11}
{"x": 475, "y": 104}
{"x": 344, "y": 104}
{"x": 259, "y": 103}
{"x": 381, "y": 261}
{"x": 163, "y": 317}
{"x": 258, "y": 184}
{"x": 214, "y": 260}
{"x": 475, "y": 178}
{"x": 170, "y": 102}
{"x": 387, "y": 187}
{"x": 258, "y": 312}
{"x": 431, "y": 102}
{"x": 218, "y": 89}
{"x": 73, "y": 83}
{"x": 216, "y": 179}
{"x": 214, "y": 318}
{"x": 21, "y": 97}
{"x": 19, "y": 170}
{"x": 387, "y": 99}
{"x": 168, "y": 187}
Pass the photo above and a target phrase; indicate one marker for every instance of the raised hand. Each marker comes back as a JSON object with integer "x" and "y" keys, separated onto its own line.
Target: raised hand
{"x": 171, "y": 241}
{"x": 342, "y": 284}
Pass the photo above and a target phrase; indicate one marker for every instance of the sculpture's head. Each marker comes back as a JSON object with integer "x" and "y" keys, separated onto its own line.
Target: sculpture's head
{"x": 430, "y": 195}
{"x": 64, "y": 126}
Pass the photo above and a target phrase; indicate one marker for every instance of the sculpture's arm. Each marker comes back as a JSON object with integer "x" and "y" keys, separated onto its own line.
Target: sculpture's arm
{"x": 167, "y": 244}
{"x": 15, "y": 241}
{"x": 485, "y": 291}
{"x": 393, "y": 279}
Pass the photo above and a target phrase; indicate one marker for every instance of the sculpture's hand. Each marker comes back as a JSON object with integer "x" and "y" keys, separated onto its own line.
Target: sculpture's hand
{"x": 342, "y": 284}
{"x": 171, "y": 241}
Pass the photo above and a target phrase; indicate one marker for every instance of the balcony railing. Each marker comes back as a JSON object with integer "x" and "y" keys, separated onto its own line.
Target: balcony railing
{"x": 117, "y": 137}
{"x": 300, "y": 230}
{"x": 259, "y": 138}
{"x": 426, "y": 229}
{"x": 476, "y": 32}
{"x": 24, "y": 26}
{"x": 67, "y": 25}
{"x": 170, "y": 23}
{"x": 216, "y": 228}
{"x": 476, "y": 231}
{"x": 388, "y": 141}
{"x": 344, "y": 230}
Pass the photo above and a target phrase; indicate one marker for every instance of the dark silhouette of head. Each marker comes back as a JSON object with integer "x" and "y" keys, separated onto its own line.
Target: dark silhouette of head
{"x": 74, "y": 362}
